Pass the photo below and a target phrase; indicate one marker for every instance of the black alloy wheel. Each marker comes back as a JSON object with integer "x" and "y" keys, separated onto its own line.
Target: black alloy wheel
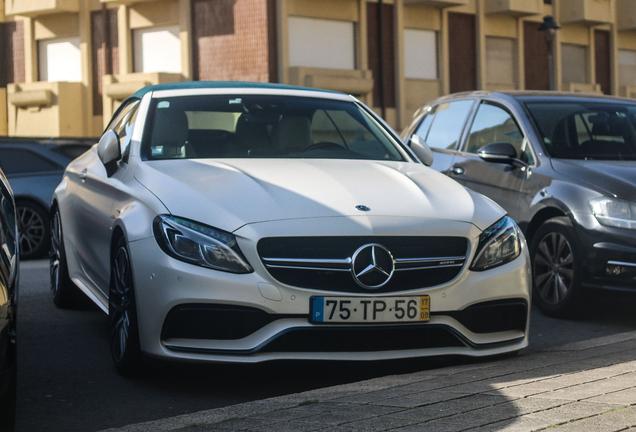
{"x": 122, "y": 314}
{"x": 556, "y": 268}
{"x": 63, "y": 291}
{"x": 33, "y": 230}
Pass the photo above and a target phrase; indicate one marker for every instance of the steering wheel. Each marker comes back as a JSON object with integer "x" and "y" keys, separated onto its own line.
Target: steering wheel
{"x": 324, "y": 145}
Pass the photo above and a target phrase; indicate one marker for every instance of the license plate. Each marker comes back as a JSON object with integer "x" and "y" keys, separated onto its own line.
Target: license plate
{"x": 370, "y": 310}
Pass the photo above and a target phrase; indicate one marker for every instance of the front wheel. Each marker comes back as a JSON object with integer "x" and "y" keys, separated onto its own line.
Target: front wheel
{"x": 122, "y": 314}
{"x": 63, "y": 291}
{"x": 556, "y": 268}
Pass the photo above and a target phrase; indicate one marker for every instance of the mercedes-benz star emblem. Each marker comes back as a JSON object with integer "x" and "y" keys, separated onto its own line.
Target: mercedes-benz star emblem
{"x": 372, "y": 266}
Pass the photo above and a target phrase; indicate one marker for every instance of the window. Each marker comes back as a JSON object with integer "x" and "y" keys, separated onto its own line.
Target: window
{"x": 627, "y": 67}
{"x": 60, "y": 60}
{"x": 494, "y": 124}
{"x": 500, "y": 60}
{"x": 443, "y": 129}
{"x": 157, "y": 49}
{"x": 17, "y": 161}
{"x": 123, "y": 126}
{"x": 321, "y": 43}
{"x": 262, "y": 126}
{"x": 587, "y": 130}
{"x": 574, "y": 63}
{"x": 420, "y": 54}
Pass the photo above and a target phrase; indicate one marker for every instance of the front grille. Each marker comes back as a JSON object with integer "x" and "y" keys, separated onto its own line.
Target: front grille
{"x": 493, "y": 316}
{"x": 325, "y": 262}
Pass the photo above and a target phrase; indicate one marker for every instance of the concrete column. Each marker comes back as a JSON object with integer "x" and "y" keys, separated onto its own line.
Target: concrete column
{"x": 87, "y": 68}
{"x": 558, "y": 71}
{"x": 520, "y": 56}
{"x": 443, "y": 49}
{"x": 282, "y": 41}
{"x": 185, "y": 36}
{"x": 400, "y": 81}
{"x": 30, "y": 52}
{"x": 480, "y": 17}
{"x": 125, "y": 41}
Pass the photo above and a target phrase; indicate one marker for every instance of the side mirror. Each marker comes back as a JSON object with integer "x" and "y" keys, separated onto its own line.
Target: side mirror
{"x": 108, "y": 151}
{"x": 421, "y": 149}
{"x": 501, "y": 152}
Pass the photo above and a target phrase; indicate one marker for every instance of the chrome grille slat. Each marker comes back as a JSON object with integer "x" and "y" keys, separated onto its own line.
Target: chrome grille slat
{"x": 325, "y": 263}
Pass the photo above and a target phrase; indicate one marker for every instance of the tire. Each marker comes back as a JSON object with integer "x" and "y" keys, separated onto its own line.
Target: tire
{"x": 122, "y": 315}
{"x": 556, "y": 269}
{"x": 33, "y": 230}
{"x": 63, "y": 291}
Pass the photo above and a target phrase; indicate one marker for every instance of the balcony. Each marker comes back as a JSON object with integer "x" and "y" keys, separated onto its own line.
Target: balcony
{"x": 46, "y": 109}
{"x": 34, "y": 8}
{"x": 438, "y": 3}
{"x": 517, "y": 8}
{"x": 626, "y": 15}
{"x": 116, "y": 88}
{"x": 587, "y": 12}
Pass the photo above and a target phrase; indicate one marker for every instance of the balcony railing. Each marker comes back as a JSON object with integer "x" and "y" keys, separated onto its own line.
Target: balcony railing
{"x": 588, "y": 12}
{"x": 514, "y": 7}
{"x": 626, "y": 15}
{"x": 33, "y": 8}
{"x": 438, "y": 3}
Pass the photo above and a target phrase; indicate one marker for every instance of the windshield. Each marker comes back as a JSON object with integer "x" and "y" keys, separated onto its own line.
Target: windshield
{"x": 586, "y": 130}
{"x": 262, "y": 126}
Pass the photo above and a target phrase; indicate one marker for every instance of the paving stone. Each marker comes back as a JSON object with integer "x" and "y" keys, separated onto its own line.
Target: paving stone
{"x": 349, "y": 415}
{"x": 378, "y": 396}
{"x": 622, "y": 397}
{"x": 590, "y": 389}
{"x": 449, "y": 408}
{"x": 606, "y": 422}
{"x": 421, "y": 399}
{"x": 572, "y": 411}
{"x": 518, "y": 424}
{"x": 381, "y": 423}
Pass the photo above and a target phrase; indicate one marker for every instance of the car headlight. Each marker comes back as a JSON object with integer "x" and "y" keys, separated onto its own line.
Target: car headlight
{"x": 614, "y": 212}
{"x": 199, "y": 244}
{"x": 498, "y": 244}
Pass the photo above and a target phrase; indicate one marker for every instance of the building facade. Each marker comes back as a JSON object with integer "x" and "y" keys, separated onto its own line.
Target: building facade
{"x": 67, "y": 64}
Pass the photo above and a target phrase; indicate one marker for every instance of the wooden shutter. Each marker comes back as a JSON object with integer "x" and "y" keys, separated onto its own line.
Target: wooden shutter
{"x": 463, "y": 53}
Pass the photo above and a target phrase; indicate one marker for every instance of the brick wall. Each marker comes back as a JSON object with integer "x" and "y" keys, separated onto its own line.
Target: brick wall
{"x": 230, "y": 40}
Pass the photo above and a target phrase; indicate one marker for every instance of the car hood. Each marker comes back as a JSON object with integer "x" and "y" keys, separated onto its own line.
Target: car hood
{"x": 231, "y": 193}
{"x": 607, "y": 177}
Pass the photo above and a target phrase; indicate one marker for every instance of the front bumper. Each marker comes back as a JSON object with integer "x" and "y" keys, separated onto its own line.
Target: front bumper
{"x": 610, "y": 256}
{"x": 190, "y": 313}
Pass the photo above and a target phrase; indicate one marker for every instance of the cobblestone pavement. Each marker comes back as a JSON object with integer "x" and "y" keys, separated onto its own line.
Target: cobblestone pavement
{"x": 584, "y": 386}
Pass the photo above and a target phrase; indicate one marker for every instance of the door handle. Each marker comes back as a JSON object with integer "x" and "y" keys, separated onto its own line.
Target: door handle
{"x": 82, "y": 175}
{"x": 457, "y": 170}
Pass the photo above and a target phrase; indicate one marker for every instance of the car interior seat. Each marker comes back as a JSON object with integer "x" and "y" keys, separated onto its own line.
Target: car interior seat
{"x": 292, "y": 132}
{"x": 170, "y": 135}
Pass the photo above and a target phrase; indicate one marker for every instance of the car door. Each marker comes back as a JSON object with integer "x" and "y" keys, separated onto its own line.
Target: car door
{"x": 91, "y": 197}
{"x": 441, "y": 128}
{"x": 499, "y": 181}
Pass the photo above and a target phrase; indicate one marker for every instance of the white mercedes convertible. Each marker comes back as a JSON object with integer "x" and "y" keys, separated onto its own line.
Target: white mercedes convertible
{"x": 245, "y": 222}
